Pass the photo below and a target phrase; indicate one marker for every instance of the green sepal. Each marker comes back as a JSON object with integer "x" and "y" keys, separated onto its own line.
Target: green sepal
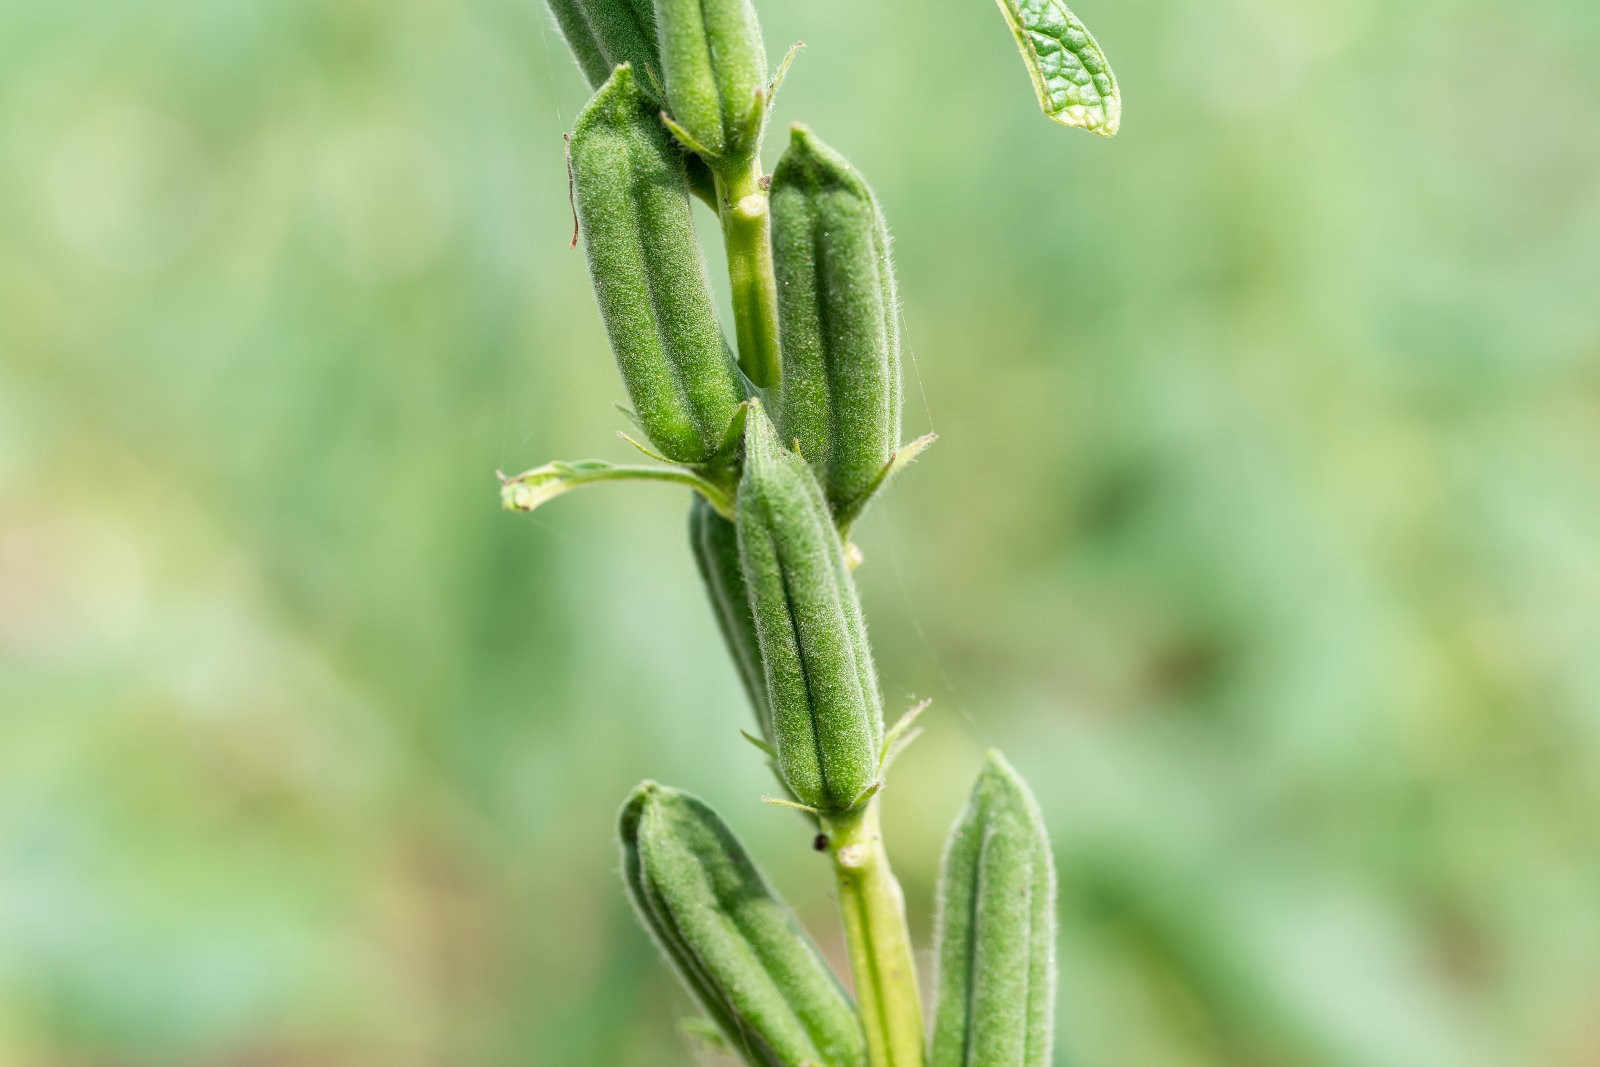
{"x": 737, "y": 947}
{"x": 845, "y": 515}
{"x": 715, "y": 68}
{"x": 782, "y": 72}
{"x": 649, "y": 275}
{"x": 1070, "y": 74}
{"x": 838, "y": 328}
{"x": 900, "y": 737}
{"x": 996, "y": 930}
{"x": 826, "y": 715}
{"x": 715, "y": 542}
{"x": 732, "y": 447}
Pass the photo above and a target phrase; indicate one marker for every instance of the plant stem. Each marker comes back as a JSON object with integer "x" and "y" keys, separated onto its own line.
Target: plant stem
{"x": 880, "y": 944}
{"x": 746, "y": 235}
{"x": 869, "y": 897}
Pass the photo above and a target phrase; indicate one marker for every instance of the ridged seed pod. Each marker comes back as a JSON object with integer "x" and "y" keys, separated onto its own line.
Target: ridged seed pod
{"x": 735, "y": 944}
{"x": 822, "y": 687}
{"x": 996, "y": 930}
{"x": 716, "y": 72}
{"x": 649, "y": 276}
{"x": 604, "y": 34}
{"x": 838, "y": 327}
{"x": 716, "y": 551}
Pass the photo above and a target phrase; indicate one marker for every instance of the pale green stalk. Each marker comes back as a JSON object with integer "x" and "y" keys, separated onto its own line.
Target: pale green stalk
{"x": 881, "y": 959}
{"x": 870, "y": 900}
{"x": 747, "y": 237}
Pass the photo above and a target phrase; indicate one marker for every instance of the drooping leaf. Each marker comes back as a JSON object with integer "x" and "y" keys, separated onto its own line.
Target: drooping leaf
{"x": 1070, "y": 73}
{"x": 533, "y": 488}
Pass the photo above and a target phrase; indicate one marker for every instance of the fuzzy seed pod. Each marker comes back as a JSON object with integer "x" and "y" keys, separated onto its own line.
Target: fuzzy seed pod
{"x": 735, "y": 944}
{"x": 649, "y": 276}
{"x": 996, "y": 930}
{"x": 838, "y": 324}
{"x": 822, "y": 687}
{"x": 716, "y": 72}
{"x": 716, "y": 551}
{"x": 604, "y": 34}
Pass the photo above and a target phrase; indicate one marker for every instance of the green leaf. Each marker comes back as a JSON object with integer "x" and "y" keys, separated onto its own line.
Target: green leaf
{"x": 1070, "y": 73}
{"x": 535, "y": 488}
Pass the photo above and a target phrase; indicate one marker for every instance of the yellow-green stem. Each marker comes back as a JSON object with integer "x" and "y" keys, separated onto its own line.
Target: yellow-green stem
{"x": 747, "y": 236}
{"x": 881, "y": 960}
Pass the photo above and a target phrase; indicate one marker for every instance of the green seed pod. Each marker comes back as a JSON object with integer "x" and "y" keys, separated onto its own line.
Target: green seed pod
{"x": 649, "y": 275}
{"x": 736, "y": 945}
{"x": 822, "y": 687}
{"x": 838, "y": 324}
{"x": 716, "y": 551}
{"x": 716, "y": 71}
{"x": 604, "y": 34}
{"x": 996, "y": 930}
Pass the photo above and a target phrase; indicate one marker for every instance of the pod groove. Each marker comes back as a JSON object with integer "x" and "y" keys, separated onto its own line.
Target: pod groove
{"x": 996, "y": 930}
{"x": 822, "y": 685}
{"x": 649, "y": 275}
{"x": 737, "y": 947}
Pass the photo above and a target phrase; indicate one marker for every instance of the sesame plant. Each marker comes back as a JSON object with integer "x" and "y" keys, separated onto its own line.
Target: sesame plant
{"x": 785, "y": 437}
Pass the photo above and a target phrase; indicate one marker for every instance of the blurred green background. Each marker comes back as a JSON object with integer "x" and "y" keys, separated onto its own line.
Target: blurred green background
{"x": 1263, "y": 534}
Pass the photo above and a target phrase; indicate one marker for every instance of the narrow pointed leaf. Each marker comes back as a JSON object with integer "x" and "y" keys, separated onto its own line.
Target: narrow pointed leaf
{"x": 845, "y": 515}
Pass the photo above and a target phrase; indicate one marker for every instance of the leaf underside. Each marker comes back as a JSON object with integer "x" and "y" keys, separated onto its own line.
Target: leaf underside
{"x": 1070, "y": 74}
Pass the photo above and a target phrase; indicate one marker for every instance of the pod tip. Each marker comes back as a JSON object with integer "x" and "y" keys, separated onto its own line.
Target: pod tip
{"x": 760, "y": 437}
{"x": 616, "y": 101}
{"x": 811, "y": 163}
